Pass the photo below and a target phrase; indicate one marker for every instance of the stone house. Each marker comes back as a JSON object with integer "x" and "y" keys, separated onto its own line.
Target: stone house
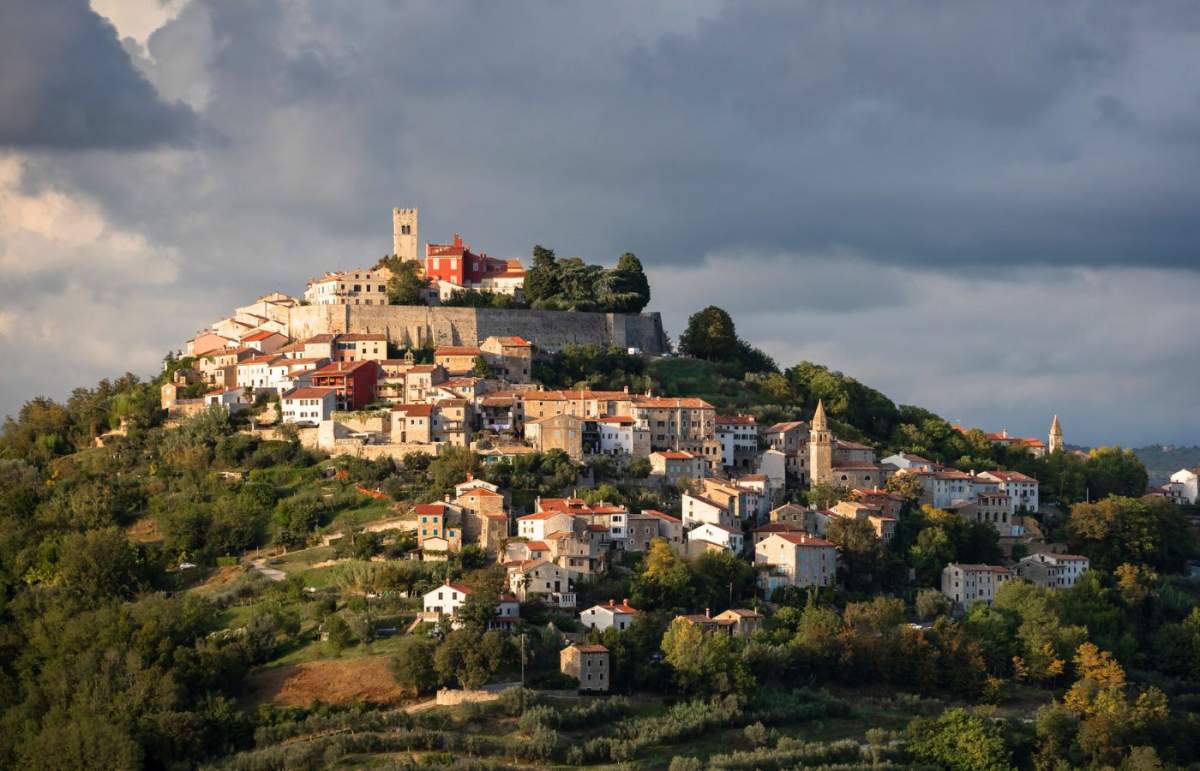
{"x": 588, "y": 664}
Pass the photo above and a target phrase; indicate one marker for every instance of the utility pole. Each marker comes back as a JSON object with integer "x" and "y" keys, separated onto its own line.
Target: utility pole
{"x": 522, "y": 673}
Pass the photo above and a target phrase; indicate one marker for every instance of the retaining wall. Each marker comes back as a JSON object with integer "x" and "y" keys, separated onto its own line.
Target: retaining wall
{"x": 417, "y": 325}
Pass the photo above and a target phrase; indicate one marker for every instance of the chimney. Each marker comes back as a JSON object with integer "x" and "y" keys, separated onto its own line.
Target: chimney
{"x": 447, "y": 580}
{"x": 470, "y": 476}
{"x": 707, "y": 613}
{"x": 446, "y": 498}
{"x": 624, "y": 600}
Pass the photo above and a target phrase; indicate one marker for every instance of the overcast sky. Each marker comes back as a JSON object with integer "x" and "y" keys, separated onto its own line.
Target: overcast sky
{"x": 988, "y": 209}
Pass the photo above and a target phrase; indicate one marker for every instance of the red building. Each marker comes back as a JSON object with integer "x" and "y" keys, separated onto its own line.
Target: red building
{"x": 354, "y": 382}
{"x": 457, "y": 264}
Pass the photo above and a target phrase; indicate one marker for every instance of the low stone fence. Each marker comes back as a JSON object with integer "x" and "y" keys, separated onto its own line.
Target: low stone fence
{"x": 450, "y": 697}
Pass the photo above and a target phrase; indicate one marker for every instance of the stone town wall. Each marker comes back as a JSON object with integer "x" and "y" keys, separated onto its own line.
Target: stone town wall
{"x": 416, "y": 325}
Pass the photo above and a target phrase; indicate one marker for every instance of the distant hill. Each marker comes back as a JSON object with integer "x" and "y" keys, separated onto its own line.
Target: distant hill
{"x": 1162, "y": 460}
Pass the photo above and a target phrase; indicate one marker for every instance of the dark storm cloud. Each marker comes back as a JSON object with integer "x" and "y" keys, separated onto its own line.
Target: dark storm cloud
{"x": 959, "y": 135}
{"x": 878, "y": 186}
{"x": 66, "y": 82}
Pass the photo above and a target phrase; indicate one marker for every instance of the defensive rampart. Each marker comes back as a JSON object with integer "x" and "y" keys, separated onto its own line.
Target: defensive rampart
{"x": 417, "y": 325}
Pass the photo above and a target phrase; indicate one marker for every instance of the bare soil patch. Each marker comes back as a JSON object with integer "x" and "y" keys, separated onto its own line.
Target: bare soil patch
{"x": 333, "y": 681}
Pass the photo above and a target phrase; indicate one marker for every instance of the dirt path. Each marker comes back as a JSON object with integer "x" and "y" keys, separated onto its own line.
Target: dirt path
{"x": 272, "y": 573}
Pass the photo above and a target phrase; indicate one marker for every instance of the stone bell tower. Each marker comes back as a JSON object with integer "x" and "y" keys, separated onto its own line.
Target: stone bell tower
{"x": 1056, "y": 437}
{"x": 404, "y": 235}
{"x": 820, "y": 448}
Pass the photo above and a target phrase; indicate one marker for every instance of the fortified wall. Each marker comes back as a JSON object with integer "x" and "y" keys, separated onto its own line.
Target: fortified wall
{"x": 418, "y": 325}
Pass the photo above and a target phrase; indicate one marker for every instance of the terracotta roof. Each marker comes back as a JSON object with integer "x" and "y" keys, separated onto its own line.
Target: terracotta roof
{"x": 1009, "y": 476}
{"x": 738, "y": 420}
{"x": 980, "y": 568}
{"x": 261, "y": 334}
{"x": 482, "y": 492}
{"x": 456, "y": 350}
{"x": 513, "y": 341}
{"x": 674, "y": 455}
{"x": 658, "y": 515}
{"x": 540, "y": 515}
{"x": 803, "y": 540}
{"x": 343, "y": 367}
{"x": 779, "y": 428}
{"x": 726, "y": 528}
{"x": 671, "y": 402}
{"x": 537, "y": 546}
{"x": 431, "y": 509}
{"x": 846, "y": 445}
{"x": 743, "y": 612}
{"x": 414, "y": 410}
{"x": 589, "y": 648}
{"x": 321, "y": 338}
{"x": 779, "y": 527}
{"x": 617, "y": 607}
{"x": 309, "y": 393}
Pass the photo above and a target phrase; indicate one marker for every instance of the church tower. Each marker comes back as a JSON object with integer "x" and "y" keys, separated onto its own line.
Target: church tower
{"x": 404, "y": 235}
{"x": 1056, "y": 437}
{"x": 820, "y": 448}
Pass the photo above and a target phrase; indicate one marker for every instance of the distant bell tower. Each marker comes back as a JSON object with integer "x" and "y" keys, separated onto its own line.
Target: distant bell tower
{"x": 1056, "y": 437}
{"x": 404, "y": 234}
{"x": 820, "y": 448}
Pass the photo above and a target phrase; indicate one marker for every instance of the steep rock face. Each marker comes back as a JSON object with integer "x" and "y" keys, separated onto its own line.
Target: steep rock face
{"x": 407, "y": 325}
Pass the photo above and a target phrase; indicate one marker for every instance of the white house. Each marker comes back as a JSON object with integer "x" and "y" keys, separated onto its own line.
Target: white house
{"x": 698, "y": 510}
{"x": 968, "y": 584}
{"x": 1053, "y": 571}
{"x": 1022, "y": 490}
{"x": 618, "y": 615}
{"x": 541, "y": 577}
{"x": 446, "y": 599}
{"x": 796, "y": 559}
{"x": 738, "y": 435}
{"x": 722, "y": 535}
{"x": 1189, "y": 480}
{"x": 942, "y": 489}
{"x": 308, "y": 406}
{"x": 537, "y": 526}
{"x": 909, "y": 462}
{"x": 620, "y": 435}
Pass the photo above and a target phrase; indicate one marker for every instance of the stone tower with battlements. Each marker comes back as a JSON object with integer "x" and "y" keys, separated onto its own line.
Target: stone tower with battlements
{"x": 404, "y": 235}
{"x": 820, "y": 448}
{"x": 1056, "y": 437}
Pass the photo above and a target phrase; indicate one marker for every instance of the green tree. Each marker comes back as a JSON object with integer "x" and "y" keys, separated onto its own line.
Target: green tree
{"x": 101, "y": 563}
{"x": 412, "y": 665}
{"x": 1144, "y": 532}
{"x": 710, "y": 334}
{"x": 338, "y": 636}
{"x": 407, "y": 285}
{"x": 824, "y": 495}
{"x": 959, "y": 741}
{"x": 1114, "y": 471}
{"x": 626, "y": 286}
{"x": 542, "y": 282}
{"x": 704, "y": 663}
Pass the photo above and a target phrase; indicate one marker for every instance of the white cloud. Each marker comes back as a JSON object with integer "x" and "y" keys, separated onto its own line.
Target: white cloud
{"x": 54, "y": 233}
{"x": 138, "y": 19}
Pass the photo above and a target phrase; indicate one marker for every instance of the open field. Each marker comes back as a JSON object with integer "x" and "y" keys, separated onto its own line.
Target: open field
{"x": 331, "y": 681}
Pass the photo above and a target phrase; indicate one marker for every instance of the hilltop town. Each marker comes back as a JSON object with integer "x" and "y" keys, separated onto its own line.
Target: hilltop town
{"x": 447, "y": 505}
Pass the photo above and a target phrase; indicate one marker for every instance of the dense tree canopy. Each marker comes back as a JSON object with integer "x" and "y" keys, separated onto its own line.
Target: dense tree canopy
{"x": 572, "y": 284}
